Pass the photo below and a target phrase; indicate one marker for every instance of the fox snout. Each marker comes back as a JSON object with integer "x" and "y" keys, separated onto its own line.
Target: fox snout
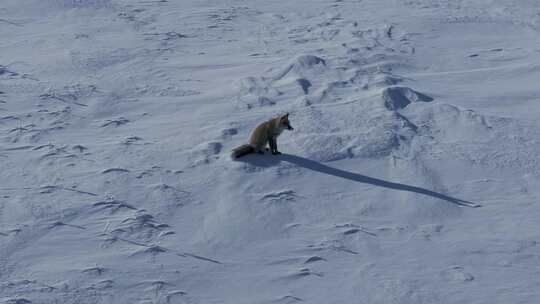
{"x": 284, "y": 122}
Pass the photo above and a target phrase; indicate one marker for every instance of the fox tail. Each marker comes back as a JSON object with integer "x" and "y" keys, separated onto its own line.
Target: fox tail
{"x": 241, "y": 151}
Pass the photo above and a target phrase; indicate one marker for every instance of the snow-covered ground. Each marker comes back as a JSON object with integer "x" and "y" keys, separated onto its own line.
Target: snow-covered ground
{"x": 412, "y": 175}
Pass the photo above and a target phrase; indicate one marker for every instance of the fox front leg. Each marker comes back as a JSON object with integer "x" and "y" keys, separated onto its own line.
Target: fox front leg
{"x": 274, "y": 146}
{"x": 271, "y": 144}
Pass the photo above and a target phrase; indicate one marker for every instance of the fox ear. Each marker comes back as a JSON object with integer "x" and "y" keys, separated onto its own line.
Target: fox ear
{"x": 285, "y": 116}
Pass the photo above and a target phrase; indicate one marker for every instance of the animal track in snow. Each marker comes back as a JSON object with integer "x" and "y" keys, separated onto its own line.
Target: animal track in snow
{"x": 335, "y": 245}
{"x": 79, "y": 148}
{"x": 314, "y": 259}
{"x": 304, "y": 84}
{"x": 111, "y": 170}
{"x": 152, "y": 250}
{"x": 457, "y": 274}
{"x": 70, "y": 94}
{"x": 205, "y": 153}
{"x": 161, "y": 91}
{"x": 139, "y": 227}
{"x": 428, "y": 232}
{"x": 280, "y": 196}
{"x": 97, "y": 271}
{"x": 62, "y": 224}
{"x": 302, "y": 273}
{"x": 113, "y": 205}
{"x": 101, "y": 285}
{"x": 131, "y": 140}
{"x": 287, "y": 300}
{"x": 353, "y": 229}
{"x": 228, "y": 133}
{"x": 115, "y": 122}
{"x": 5, "y": 72}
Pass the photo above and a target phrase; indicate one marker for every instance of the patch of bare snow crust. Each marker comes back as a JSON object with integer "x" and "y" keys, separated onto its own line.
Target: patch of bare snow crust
{"x": 411, "y": 175}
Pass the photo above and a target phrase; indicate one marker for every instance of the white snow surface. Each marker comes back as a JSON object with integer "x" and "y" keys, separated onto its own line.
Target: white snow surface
{"x": 412, "y": 174}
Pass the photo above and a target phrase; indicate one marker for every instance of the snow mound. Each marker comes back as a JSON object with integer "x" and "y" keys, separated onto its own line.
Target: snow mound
{"x": 396, "y": 98}
{"x": 301, "y": 66}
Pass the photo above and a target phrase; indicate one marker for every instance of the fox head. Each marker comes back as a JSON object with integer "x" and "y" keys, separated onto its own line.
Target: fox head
{"x": 284, "y": 122}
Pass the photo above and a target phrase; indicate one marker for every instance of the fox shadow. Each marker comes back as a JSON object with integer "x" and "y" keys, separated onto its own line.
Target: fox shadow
{"x": 272, "y": 160}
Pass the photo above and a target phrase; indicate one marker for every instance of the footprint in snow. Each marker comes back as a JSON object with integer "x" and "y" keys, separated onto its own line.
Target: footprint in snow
{"x": 154, "y": 286}
{"x": 97, "y": 271}
{"x": 427, "y": 232}
{"x": 356, "y": 230}
{"x": 353, "y": 229}
{"x": 302, "y": 273}
{"x": 286, "y": 261}
{"x": 304, "y": 84}
{"x": 175, "y": 294}
{"x": 287, "y": 300}
{"x": 121, "y": 170}
{"x": 62, "y": 224}
{"x": 205, "y": 153}
{"x": 131, "y": 140}
{"x": 115, "y": 122}
{"x": 279, "y": 196}
{"x": 113, "y": 205}
{"x": 4, "y": 71}
{"x": 228, "y": 133}
{"x": 150, "y": 250}
{"x": 314, "y": 259}
{"x": 79, "y": 148}
{"x": 457, "y": 274}
{"x": 296, "y": 260}
{"x": 105, "y": 284}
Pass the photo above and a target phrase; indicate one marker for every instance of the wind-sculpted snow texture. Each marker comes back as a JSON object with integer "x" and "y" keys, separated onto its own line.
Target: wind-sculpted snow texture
{"x": 411, "y": 176}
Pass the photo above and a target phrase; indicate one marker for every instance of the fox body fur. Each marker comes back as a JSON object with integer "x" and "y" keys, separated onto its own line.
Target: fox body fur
{"x": 265, "y": 133}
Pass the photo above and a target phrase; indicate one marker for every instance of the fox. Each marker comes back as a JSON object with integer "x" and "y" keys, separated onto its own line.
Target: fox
{"x": 265, "y": 133}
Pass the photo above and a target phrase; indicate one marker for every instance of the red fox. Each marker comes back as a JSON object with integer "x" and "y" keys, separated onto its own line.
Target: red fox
{"x": 267, "y": 132}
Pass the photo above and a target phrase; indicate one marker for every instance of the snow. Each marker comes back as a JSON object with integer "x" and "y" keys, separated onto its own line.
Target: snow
{"x": 411, "y": 175}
